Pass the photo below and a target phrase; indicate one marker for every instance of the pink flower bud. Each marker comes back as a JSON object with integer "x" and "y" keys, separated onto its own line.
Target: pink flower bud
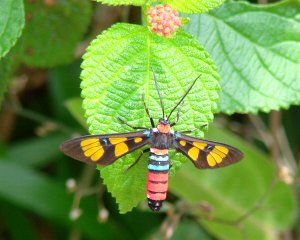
{"x": 163, "y": 20}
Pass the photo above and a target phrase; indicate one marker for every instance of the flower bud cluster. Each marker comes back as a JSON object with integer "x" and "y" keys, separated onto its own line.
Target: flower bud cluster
{"x": 163, "y": 20}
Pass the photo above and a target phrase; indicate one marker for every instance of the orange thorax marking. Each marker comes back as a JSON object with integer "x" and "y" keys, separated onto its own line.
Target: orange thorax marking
{"x": 164, "y": 128}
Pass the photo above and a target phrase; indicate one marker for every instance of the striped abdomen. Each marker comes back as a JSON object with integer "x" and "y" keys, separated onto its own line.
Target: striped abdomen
{"x": 158, "y": 173}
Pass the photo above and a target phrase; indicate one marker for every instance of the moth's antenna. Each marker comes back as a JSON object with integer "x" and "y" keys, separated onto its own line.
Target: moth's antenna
{"x": 182, "y": 98}
{"x": 159, "y": 95}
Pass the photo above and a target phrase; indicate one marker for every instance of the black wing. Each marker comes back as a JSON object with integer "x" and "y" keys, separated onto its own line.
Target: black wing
{"x": 207, "y": 154}
{"x": 104, "y": 149}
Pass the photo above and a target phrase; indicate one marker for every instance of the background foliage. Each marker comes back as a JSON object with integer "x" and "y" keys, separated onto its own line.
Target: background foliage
{"x": 252, "y": 49}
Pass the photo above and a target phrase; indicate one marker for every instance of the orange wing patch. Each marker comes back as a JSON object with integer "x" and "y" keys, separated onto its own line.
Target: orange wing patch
{"x": 200, "y": 145}
{"x": 137, "y": 140}
{"x": 207, "y": 154}
{"x": 120, "y": 149}
{"x": 222, "y": 151}
{"x": 92, "y": 148}
{"x": 182, "y": 143}
{"x": 116, "y": 140}
{"x": 193, "y": 153}
{"x": 120, "y": 146}
{"x": 88, "y": 141}
{"x": 216, "y": 155}
{"x": 213, "y": 157}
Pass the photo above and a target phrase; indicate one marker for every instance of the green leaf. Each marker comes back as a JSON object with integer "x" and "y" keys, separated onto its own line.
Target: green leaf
{"x": 52, "y": 31}
{"x": 74, "y": 107}
{"x": 232, "y": 191}
{"x": 38, "y": 151}
{"x": 257, "y": 49}
{"x": 16, "y": 218}
{"x": 194, "y": 6}
{"x": 11, "y": 24}
{"x": 117, "y": 71}
{"x": 64, "y": 84}
{"x": 32, "y": 191}
{"x": 189, "y": 230}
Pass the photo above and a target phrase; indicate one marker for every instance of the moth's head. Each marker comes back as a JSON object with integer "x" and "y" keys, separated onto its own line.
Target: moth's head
{"x": 163, "y": 125}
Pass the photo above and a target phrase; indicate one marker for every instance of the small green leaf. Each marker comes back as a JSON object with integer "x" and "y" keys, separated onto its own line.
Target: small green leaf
{"x": 74, "y": 105}
{"x": 232, "y": 191}
{"x": 11, "y": 23}
{"x": 117, "y": 70}
{"x": 257, "y": 49}
{"x": 194, "y": 6}
{"x": 52, "y": 31}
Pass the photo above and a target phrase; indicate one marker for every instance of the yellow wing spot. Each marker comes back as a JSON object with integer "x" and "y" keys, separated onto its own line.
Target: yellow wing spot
{"x": 92, "y": 148}
{"x": 91, "y": 151}
{"x": 182, "y": 143}
{"x": 193, "y": 153}
{"x": 97, "y": 155}
{"x": 217, "y": 151}
{"x": 200, "y": 145}
{"x": 87, "y": 147}
{"x": 89, "y": 141}
{"x": 224, "y": 150}
{"x": 120, "y": 149}
{"x": 211, "y": 161}
{"x": 137, "y": 140}
{"x": 117, "y": 140}
{"x": 217, "y": 157}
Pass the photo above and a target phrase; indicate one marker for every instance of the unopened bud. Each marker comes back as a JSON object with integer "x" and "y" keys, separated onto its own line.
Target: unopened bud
{"x": 71, "y": 185}
{"x": 103, "y": 215}
{"x": 75, "y": 214}
{"x": 163, "y": 20}
{"x": 285, "y": 175}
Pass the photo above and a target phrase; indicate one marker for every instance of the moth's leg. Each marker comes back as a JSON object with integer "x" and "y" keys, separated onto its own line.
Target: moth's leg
{"x": 192, "y": 130}
{"x": 171, "y": 164}
{"x": 138, "y": 159}
{"x": 129, "y": 125}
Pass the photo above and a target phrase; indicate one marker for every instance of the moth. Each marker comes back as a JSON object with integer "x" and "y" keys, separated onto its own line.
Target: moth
{"x": 106, "y": 149}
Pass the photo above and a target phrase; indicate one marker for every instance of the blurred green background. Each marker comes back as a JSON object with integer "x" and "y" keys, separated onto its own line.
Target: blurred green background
{"x": 255, "y": 199}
